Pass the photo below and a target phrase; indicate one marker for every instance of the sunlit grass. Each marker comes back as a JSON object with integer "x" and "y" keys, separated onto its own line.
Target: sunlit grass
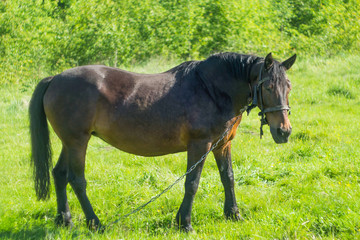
{"x": 307, "y": 188}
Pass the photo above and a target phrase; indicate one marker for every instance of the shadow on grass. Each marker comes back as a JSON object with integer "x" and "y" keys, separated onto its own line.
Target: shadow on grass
{"x": 38, "y": 232}
{"x": 43, "y": 231}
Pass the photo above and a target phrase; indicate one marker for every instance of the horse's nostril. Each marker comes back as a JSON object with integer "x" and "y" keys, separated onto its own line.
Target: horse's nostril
{"x": 283, "y": 132}
{"x": 280, "y": 132}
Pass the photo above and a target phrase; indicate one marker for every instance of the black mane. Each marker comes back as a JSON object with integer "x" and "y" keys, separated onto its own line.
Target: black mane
{"x": 239, "y": 65}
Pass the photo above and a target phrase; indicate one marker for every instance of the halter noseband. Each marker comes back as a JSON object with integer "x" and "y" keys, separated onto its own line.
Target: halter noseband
{"x": 258, "y": 90}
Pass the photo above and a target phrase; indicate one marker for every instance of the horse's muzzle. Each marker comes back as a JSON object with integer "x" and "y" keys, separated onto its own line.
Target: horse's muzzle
{"x": 280, "y": 135}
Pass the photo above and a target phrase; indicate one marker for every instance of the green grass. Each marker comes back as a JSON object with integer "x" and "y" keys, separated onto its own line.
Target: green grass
{"x": 308, "y": 188}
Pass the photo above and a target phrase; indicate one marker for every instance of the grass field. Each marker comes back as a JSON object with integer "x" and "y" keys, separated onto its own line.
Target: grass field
{"x": 306, "y": 189}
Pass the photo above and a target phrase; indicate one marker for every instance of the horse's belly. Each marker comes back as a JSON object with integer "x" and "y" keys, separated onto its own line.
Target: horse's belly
{"x": 152, "y": 140}
{"x": 145, "y": 146}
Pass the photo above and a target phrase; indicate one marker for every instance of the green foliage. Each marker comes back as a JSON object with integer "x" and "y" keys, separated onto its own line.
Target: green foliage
{"x": 40, "y": 37}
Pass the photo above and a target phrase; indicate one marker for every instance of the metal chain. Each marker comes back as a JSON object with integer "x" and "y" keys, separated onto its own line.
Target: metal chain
{"x": 181, "y": 177}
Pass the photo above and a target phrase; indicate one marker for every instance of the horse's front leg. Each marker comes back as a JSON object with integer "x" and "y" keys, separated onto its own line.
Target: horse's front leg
{"x": 196, "y": 149}
{"x": 223, "y": 160}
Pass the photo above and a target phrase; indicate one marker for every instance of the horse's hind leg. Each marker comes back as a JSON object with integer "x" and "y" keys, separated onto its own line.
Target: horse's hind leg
{"x": 60, "y": 174}
{"x": 76, "y": 153}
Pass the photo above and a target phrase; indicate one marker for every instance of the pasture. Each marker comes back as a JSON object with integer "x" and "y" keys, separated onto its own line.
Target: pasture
{"x": 308, "y": 188}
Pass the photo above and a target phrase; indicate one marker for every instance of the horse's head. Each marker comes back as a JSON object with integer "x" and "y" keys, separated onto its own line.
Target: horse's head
{"x": 271, "y": 96}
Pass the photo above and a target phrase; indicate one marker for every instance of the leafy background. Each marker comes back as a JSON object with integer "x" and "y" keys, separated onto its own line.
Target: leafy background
{"x": 43, "y": 36}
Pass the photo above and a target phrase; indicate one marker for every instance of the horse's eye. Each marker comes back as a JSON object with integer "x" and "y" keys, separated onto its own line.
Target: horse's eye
{"x": 269, "y": 88}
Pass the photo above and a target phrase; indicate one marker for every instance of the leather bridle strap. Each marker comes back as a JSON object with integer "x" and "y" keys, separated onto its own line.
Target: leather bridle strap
{"x": 257, "y": 90}
{"x": 276, "y": 108}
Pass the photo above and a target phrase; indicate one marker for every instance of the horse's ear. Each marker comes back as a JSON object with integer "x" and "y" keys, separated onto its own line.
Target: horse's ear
{"x": 269, "y": 61}
{"x": 289, "y": 62}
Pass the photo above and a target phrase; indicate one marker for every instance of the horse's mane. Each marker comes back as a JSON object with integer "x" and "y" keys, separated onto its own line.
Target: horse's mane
{"x": 239, "y": 65}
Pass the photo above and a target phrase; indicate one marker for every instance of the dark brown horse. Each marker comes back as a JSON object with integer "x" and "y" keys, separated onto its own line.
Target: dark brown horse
{"x": 186, "y": 108}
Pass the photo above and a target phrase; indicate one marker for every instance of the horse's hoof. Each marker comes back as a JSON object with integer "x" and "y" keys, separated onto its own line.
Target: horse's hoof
{"x": 101, "y": 228}
{"x": 187, "y": 228}
{"x": 95, "y": 225}
{"x": 235, "y": 216}
{"x": 64, "y": 219}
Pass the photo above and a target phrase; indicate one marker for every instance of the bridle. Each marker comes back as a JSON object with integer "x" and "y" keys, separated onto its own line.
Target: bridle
{"x": 257, "y": 90}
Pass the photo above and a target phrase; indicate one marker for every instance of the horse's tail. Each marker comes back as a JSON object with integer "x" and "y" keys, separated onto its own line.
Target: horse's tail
{"x": 40, "y": 141}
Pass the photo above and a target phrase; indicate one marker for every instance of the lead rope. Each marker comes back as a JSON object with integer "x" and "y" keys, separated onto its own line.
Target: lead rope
{"x": 181, "y": 177}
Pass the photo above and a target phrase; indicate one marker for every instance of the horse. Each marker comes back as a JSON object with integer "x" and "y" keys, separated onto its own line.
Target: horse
{"x": 186, "y": 108}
